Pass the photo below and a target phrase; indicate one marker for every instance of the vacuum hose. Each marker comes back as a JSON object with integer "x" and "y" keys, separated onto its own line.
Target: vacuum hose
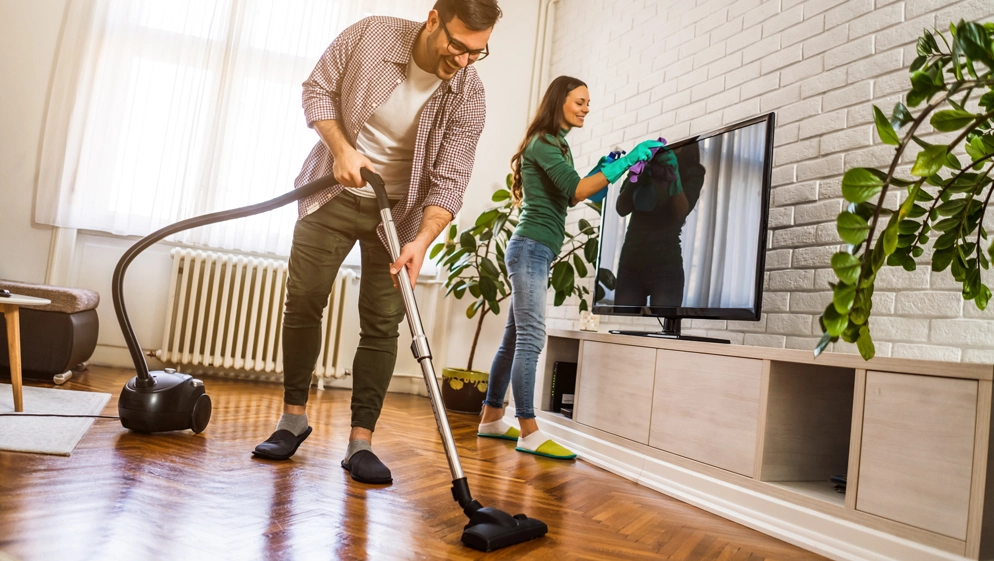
{"x": 145, "y": 380}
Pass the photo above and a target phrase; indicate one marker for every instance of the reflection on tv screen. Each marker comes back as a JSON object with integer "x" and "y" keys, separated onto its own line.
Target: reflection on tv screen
{"x": 685, "y": 232}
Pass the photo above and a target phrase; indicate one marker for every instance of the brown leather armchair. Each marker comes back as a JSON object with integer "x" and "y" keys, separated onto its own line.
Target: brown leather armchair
{"x": 55, "y": 338}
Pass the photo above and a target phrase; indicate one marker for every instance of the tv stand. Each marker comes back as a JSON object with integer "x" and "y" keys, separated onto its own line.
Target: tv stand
{"x": 671, "y": 330}
{"x": 756, "y": 434}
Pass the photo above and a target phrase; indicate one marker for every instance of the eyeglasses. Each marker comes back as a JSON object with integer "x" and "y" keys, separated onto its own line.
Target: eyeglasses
{"x": 458, "y": 49}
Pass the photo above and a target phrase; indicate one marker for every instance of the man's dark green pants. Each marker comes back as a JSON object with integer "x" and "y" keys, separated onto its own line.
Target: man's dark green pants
{"x": 321, "y": 241}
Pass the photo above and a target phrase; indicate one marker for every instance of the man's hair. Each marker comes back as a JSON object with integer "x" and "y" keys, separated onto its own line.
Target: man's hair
{"x": 476, "y": 14}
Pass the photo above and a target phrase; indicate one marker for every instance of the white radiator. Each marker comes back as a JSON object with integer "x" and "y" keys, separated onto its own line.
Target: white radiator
{"x": 225, "y": 314}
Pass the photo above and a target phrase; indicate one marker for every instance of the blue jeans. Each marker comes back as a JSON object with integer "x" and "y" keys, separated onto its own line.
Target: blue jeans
{"x": 528, "y": 263}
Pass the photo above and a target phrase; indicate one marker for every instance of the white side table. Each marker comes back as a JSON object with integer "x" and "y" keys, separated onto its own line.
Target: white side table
{"x": 9, "y": 309}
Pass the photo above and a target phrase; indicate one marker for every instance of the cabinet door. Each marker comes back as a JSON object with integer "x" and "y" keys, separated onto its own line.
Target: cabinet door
{"x": 615, "y": 389}
{"x": 706, "y": 408}
{"x": 916, "y": 453}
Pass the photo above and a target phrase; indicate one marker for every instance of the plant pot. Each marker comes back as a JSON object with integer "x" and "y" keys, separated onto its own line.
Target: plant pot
{"x": 463, "y": 391}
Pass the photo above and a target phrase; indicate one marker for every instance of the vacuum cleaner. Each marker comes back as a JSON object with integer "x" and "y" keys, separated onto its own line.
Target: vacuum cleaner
{"x": 166, "y": 400}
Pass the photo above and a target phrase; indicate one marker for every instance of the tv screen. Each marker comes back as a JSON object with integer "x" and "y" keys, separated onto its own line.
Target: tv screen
{"x": 686, "y": 236}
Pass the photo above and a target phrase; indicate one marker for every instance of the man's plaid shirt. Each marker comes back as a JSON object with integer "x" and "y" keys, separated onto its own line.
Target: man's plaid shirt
{"x": 356, "y": 75}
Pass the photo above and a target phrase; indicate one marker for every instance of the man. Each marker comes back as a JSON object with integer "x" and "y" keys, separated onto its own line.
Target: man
{"x": 399, "y": 98}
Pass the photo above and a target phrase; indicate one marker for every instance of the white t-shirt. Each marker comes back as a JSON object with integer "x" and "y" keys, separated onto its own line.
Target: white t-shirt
{"x": 388, "y": 137}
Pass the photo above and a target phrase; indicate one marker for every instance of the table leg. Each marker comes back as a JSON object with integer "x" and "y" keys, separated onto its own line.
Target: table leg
{"x": 13, "y": 319}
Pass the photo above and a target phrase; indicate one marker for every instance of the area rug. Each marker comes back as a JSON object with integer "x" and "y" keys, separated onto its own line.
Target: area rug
{"x": 47, "y": 435}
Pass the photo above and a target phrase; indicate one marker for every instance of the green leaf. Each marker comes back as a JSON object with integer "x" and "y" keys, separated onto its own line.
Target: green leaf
{"x": 949, "y": 208}
{"x": 859, "y": 314}
{"x": 901, "y": 116}
{"x": 842, "y": 298}
{"x": 890, "y": 239}
{"x": 559, "y": 299}
{"x": 908, "y": 227}
{"x": 846, "y": 267}
{"x": 562, "y": 275}
{"x": 474, "y": 288}
{"x": 851, "y": 332}
{"x": 952, "y": 160}
{"x": 607, "y": 278}
{"x": 929, "y": 161}
{"x": 946, "y": 224}
{"x": 974, "y": 41}
{"x": 488, "y": 268}
{"x": 987, "y": 101}
{"x": 983, "y": 297}
{"x": 473, "y": 308}
{"x": 509, "y": 181}
{"x": 585, "y": 226}
{"x": 852, "y": 229}
{"x": 884, "y": 128}
{"x": 834, "y": 321}
{"x": 861, "y": 184}
{"x": 581, "y": 268}
{"x": 822, "y": 343}
{"x": 590, "y": 250}
{"x": 865, "y": 343}
{"x": 951, "y": 120}
{"x": 488, "y": 288}
{"x": 916, "y": 98}
{"x": 501, "y": 195}
{"x": 487, "y": 217}
{"x": 942, "y": 258}
{"x": 436, "y": 250}
{"x": 922, "y": 82}
{"x": 878, "y": 256}
{"x": 467, "y": 241}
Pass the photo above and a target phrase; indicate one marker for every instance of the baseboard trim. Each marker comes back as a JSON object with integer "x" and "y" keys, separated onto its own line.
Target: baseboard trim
{"x": 814, "y": 531}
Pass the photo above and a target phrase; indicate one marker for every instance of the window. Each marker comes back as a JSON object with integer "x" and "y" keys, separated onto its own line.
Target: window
{"x": 177, "y": 108}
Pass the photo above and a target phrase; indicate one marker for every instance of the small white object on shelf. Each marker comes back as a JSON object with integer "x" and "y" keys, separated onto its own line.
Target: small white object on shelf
{"x": 589, "y": 321}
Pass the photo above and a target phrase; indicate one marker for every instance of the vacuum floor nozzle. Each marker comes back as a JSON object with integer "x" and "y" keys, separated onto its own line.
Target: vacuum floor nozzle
{"x": 490, "y": 528}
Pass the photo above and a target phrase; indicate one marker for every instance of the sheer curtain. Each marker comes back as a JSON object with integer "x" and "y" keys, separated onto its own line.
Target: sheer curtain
{"x": 165, "y": 109}
{"x": 720, "y": 237}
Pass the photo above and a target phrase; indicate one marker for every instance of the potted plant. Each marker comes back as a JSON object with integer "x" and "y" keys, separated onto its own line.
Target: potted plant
{"x": 952, "y": 80}
{"x": 474, "y": 261}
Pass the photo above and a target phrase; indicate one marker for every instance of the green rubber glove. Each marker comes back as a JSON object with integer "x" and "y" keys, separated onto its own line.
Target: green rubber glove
{"x": 643, "y": 151}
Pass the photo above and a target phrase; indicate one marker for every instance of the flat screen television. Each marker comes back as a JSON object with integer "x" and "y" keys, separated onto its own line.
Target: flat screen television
{"x": 686, "y": 237}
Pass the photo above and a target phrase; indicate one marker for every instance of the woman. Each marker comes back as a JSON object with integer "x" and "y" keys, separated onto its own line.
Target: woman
{"x": 544, "y": 184}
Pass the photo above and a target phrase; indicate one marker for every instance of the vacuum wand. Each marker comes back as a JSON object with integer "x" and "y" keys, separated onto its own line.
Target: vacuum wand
{"x": 488, "y": 528}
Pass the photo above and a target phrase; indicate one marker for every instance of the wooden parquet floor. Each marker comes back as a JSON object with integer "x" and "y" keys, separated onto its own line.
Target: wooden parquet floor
{"x": 124, "y": 496}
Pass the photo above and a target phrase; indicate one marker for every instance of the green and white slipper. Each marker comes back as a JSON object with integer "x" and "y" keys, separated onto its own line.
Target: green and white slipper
{"x": 498, "y": 429}
{"x": 541, "y": 445}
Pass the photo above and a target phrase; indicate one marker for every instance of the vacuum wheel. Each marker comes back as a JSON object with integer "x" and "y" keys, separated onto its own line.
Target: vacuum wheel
{"x": 201, "y": 414}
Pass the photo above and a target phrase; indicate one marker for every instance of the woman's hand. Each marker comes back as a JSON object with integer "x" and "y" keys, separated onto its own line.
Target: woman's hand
{"x": 642, "y": 152}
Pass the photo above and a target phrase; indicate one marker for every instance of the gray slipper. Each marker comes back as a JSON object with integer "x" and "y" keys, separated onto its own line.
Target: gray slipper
{"x": 281, "y": 445}
{"x": 365, "y": 467}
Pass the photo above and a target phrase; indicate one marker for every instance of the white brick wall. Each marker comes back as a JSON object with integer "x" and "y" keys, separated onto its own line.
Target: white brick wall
{"x": 680, "y": 67}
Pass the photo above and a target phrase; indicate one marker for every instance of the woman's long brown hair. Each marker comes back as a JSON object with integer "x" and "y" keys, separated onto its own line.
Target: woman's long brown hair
{"x": 548, "y": 120}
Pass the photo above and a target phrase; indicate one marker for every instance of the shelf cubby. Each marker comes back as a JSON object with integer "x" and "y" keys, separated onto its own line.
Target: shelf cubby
{"x": 807, "y": 428}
